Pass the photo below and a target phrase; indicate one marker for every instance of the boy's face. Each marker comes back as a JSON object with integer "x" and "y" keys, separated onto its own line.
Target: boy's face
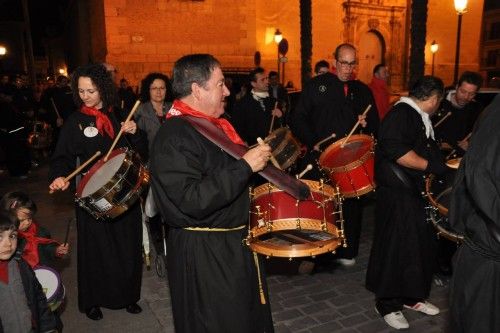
{"x": 8, "y": 244}
{"x": 25, "y": 218}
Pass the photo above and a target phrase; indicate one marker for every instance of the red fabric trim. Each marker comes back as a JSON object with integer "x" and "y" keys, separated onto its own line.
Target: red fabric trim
{"x": 103, "y": 123}
{"x": 4, "y": 271}
{"x": 30, "y": 252}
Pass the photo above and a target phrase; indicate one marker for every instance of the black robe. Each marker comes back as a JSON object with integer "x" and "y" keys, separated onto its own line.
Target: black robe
{"x": 475, "y": 213}
{"x": 109, "y": 253}
{"x": 212, "y": 275}
{"x": 402, "y": 255}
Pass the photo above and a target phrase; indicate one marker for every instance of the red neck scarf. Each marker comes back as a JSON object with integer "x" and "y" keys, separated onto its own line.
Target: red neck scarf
{"x": 30, "y": 252}
{"x": 180, "y": 108}
{"x": 4, "y": 271}
{"x": 103, "y": 123}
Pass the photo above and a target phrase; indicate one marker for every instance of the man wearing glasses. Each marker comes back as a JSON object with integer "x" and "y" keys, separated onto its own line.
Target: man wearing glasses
{"x": 333, "y": 103}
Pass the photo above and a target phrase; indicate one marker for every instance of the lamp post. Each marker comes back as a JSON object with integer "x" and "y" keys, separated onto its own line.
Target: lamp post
{"x": 434, "y": 49}
{"x": 461, "y": 8}
{"x": 277, "y": 39}
{"x": 3, "y": 52}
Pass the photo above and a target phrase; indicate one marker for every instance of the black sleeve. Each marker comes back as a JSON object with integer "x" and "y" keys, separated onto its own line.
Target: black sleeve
{"x": 63, "y": 160}
{"x": 300, "y": 118}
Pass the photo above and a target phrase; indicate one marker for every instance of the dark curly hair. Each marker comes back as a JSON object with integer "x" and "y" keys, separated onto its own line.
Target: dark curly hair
{"x": 148, "y": 80}
{"x": 101, "y": 78}
{"x": 14, "y": 200}
{"x": 8, "y": 222}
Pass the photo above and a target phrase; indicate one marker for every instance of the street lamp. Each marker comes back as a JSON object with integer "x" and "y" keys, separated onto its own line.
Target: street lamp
{"x": 461, "y": 8}
{"x": 3, "y": 52}
{"x": 277, "y": 39}
{"x": 434, "y": 49}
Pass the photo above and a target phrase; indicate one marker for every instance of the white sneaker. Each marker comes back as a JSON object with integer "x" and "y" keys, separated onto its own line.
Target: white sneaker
{"x": 424, "y": 307}
{"x": 346, "y": 262}
{"x": 396, "y": 320}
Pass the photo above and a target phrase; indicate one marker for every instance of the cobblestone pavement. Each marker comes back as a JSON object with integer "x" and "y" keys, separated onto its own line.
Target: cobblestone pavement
{"x": 330, "y": 301}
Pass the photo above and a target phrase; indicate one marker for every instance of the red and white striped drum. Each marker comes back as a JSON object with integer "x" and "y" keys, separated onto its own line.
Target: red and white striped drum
{"x": 350, "y": 166}
{"x": 282, "y": 226}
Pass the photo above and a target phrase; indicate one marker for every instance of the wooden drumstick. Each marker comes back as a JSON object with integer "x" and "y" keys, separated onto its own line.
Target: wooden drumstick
{"x": 55, "y": 107}
{"x": 316, "y": 146}
{"x": 308, "y": 167}
{"x": 273, "y": 160}
{"x": 355, "y": 126}
{"x": 272, "y": 119}
{"x": 442, "y": 119}
{"x": 454, "y": 150}
{"x": 67, "y": 231}
{"x": 80, "y": 168}
{"x": 136, "y": 105}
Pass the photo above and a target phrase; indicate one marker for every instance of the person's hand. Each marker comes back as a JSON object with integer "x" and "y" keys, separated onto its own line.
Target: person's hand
{"x": 129, "y": 127}
{"x": 62, "y": 250}
{"x": 258, "y": 157}
{"x": 59, "y": 122}
{"x": 277, "y": 112}
{"x": 464, "y": 144}
{"x": 58, "y": 184}
{"x": 362, "y": 120}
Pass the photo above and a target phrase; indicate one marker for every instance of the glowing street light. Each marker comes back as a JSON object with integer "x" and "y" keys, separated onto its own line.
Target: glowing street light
{"x": 434, "y": 49}
{"x": 3, "y": 50}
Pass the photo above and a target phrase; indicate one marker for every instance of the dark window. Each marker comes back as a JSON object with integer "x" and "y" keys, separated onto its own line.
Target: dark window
{"x": 495, "y": 31}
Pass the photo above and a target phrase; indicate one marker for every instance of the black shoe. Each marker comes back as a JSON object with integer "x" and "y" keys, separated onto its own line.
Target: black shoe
{"x": 94, "y": 313}
{"x": 133, "y": 308}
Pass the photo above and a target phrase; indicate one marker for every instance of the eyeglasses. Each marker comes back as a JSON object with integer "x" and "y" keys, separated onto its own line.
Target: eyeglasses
{"x": 346, "y": 63}
{"x": 158, "y": 88}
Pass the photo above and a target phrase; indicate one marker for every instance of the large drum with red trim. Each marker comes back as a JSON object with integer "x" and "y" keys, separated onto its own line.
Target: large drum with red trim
{"x": 110, "y": 188}
{"x": 282, "y": 226}
{"x": 350, "y": 165}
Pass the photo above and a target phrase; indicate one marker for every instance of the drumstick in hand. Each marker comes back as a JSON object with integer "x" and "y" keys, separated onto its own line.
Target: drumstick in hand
{"x": 272, "y": 120}
{"x": 442, "y": 119}
{"x": 316, "y": 146}
{"x": 356, "y": 126}
{"x": 55, "y": 107}
{"x": 67, "y": 231}
{"x": 273, "y": 160}
{"x": 80, "y": 168}
{"x": 308, "y": 167}
{"x": 136, "y": 105}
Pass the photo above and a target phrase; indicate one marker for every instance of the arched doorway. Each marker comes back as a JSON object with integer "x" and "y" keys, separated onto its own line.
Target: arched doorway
{"x": 370, "y": 53}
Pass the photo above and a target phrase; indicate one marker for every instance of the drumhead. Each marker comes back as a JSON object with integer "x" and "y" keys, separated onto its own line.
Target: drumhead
{"x": 336, "y": 156}
{"x": 102, "y": 175}
{"x": 49, "y": 279}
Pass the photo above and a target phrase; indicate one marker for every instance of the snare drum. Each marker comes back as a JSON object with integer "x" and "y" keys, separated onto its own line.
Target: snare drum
{"x": 52, "y": 286}
{"x": 351, "y": 167}
{"x": 438, "y": 191}
{"x": 282, "y": 226}
{"x": 112, "y": 187}
{"x": 285, "y": 148}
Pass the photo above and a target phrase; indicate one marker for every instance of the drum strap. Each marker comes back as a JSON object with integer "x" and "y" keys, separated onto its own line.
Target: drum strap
{"x": 401, "y": 175}
{"x": 215, "y": 229}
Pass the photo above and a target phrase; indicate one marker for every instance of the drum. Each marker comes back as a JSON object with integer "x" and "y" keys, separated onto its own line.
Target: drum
{"x": 438, "y": 192}
{"x": 52, "y": 286}
{"x": 285, "y": 148}
{"x": 111, "y": 187}
{"x": 454, "y": 163}
{"x": 282, "y": 226}
{"x": 41, "y": 137}
{"x": 351, "y": 167}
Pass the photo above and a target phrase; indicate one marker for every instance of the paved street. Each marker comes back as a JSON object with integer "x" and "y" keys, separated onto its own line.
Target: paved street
{"x": 333, "y": 301}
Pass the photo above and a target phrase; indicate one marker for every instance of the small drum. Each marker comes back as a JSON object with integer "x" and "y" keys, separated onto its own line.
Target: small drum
{"x": 41, "y": 137}
{"x": 454, "y": 163}
{"x": 110, "y": 188}
{"x": 282, "y": 226}
{"x": 438, "y": 192}
{"x": 285, "y": 148}
{"x": 52, "y": 286}
{"x": 350, "y": 167}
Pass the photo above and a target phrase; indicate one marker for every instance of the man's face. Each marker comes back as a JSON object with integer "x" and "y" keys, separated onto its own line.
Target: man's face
{"x": 322, "y": 70}
{"x": 8, "y": 244}
{"x": 273, "y": 80}
{"x": 432, "y": 104}
{"x": 261, "y": 83}
{"x": 382, "y": 73}
{"x": 212, "y": 95}
{"x": 345, "y": 63}
{"x": 465, "y": 93}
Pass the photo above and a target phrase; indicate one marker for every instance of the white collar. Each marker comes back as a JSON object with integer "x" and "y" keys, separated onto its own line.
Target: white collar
{"x": 429, "y": 130}
{"x": 259, "y": 94}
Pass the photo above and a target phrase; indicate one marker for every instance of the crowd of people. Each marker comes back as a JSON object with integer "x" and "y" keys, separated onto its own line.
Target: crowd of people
{"x": 201, "y": 190}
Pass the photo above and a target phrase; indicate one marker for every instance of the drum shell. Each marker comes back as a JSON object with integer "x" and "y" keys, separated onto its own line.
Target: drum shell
{"x": 284, "y": 146}
{"x": 278, "y": 211}
{"x": 354, "y": 176}
{"x": 120, "y": 192}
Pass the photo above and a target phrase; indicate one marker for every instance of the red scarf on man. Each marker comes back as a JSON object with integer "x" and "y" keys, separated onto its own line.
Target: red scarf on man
{"x": 103, "y": 123}
{"x": 30, "y": 252}
{"x": 180, "y": 108}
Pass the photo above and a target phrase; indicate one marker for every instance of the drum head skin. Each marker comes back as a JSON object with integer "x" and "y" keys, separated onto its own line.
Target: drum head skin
{"x": 336, "y": 156}
{"x": 50, "y": 281}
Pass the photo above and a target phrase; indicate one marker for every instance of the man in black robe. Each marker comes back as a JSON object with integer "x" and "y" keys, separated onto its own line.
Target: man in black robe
{"x": 333, "y": 103}
{"x": 475, "y": 212}
{"x": 401, "y": 261}
{"x": 216, "y": 283}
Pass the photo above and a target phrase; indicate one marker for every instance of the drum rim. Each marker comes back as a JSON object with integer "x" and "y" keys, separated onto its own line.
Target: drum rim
{"x": 296, "y": 250}
{"x": 282, "y": 145}
{"x": 428, "y": 182}
{"x": 291, "y": 224}
{"x": 267, "y": 188}
{"x": 352, "y": 165}
{"x": 362, "y": 191}
{"x": 56, "y": 274}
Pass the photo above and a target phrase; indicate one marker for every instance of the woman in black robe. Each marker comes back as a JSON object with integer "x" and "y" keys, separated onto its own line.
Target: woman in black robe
{"x": 109, "y": 253}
